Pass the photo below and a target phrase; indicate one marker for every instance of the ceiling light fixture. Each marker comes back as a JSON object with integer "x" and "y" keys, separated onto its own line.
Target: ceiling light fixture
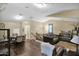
{"x": 40, "y": 5}
{"x": 19, "y": 17}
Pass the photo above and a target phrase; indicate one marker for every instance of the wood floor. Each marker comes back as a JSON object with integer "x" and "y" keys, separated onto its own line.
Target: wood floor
{"x": 29, "y": 49}
{"x": 26, "y": 49}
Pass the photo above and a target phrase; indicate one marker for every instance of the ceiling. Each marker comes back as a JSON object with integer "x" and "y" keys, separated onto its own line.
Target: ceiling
{"x": 30, "y": 12}
{"x": 67, "y": 14}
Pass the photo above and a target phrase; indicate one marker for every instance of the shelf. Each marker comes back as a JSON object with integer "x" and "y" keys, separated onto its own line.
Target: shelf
{"x": 5, "y": 42}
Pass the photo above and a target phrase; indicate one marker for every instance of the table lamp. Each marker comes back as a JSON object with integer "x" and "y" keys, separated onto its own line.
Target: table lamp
{"x": 75, "y": 40}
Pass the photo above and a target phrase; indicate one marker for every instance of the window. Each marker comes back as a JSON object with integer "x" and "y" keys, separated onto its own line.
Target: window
{"x": 50, "y": 28}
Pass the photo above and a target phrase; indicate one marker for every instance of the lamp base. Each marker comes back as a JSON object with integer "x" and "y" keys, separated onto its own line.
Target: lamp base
{"x": 77, "y": 54}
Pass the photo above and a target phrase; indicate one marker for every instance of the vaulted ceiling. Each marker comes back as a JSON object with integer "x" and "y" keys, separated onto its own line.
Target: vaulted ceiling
{"x": 31, "y": 12}
{"x": 67, "y": 14}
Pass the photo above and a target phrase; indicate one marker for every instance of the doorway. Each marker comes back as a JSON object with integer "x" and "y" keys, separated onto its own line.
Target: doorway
{"x": 27, "y": 31}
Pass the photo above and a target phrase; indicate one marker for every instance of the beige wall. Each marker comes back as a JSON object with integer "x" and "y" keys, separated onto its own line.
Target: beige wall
{"x": 11, "y": 25}
{"x": 59, "y": 25}
{"x": 40, "y": 27}
{"x": 34, "y": 26}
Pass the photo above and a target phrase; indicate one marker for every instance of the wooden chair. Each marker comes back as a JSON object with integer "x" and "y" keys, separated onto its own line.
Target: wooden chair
{"x": 19, "y": 39}
{"x": 19, "y": 42}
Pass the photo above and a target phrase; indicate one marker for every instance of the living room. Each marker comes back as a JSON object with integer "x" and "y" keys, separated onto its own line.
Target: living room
{"x": 27, "y": 24}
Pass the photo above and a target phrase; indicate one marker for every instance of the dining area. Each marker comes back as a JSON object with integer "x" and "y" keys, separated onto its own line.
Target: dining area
{"x": 7, "y": 42}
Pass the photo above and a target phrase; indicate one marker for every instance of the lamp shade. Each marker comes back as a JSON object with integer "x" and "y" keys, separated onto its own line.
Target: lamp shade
{"x": 75, "y": 39}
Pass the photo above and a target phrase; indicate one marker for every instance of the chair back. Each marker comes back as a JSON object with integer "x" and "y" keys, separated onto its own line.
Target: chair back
{"x": 19, "y": 39}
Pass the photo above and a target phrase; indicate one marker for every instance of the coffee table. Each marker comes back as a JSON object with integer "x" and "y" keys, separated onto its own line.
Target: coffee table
{"x": 67, "y": 45}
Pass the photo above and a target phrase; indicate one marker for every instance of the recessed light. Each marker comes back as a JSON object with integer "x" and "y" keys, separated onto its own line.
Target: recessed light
{"x": 40, "y": 5}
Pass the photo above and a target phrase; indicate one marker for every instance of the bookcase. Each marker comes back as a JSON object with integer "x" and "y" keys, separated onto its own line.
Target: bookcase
{"x": 5, "y": 42}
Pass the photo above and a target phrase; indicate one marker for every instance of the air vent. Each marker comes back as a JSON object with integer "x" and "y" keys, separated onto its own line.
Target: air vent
{"x": 26, "y": 7}
{"x": 2, "y": 6}
{"x": 30, "y": 17}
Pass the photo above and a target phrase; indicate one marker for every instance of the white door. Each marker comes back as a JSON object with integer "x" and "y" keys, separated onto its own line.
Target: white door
{"x": 27, "y": 31}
